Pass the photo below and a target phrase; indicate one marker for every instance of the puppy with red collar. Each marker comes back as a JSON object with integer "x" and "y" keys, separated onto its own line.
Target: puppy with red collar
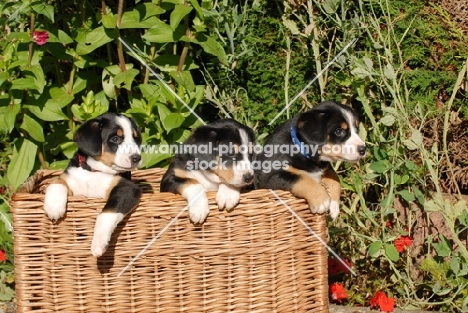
{"x": 302, "y": 149}
{"x": 216, "y": 156}
{"x": 108, "y": 149}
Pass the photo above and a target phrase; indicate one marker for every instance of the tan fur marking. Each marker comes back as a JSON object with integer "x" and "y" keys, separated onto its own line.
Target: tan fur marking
{"x": 62, "y": 180}
{"x": 225, "y": 174}
{"x": 135, "y": 133}
{"x": 182, "y": 174}
{"x": 309, "y": 189}
{"x": 120, "y": 132}
{"x": 300, "y": 124}
{"x": 329, "y": 150}
{"x": 113, "y": 183}
{"x": 331, "y": 182}
{"x": 344, "y": 125}
{"x": 106, "y": 157}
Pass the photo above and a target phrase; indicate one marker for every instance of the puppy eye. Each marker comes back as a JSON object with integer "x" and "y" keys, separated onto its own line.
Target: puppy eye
{"x": 339, "y": 132}
{"x": 115, "y": 139}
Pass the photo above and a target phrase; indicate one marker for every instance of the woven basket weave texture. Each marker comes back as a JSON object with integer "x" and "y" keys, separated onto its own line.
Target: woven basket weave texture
{"x": 257, "y": 258}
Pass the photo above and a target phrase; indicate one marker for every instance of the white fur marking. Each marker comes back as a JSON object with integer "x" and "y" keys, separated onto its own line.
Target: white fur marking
{"x": 198, "y": 205}
{"x": 227, "y": 197}
{"x": 89, "y": 184}
{"x": 334, "y": 209}
{"x": 105, "y": 226}
{"x": 243, "y": 166}
{"x": 55, "y": 201}
{"x": 127, "y": 148}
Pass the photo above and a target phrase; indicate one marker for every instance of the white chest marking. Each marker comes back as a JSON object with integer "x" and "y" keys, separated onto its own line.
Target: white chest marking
{"x": 89, "y": 184}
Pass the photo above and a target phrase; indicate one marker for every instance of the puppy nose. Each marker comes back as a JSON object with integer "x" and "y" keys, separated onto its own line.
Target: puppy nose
{"x": 248, "y": 177}
{"x": 362, "y": 150}
{"x": 135, "y": 158}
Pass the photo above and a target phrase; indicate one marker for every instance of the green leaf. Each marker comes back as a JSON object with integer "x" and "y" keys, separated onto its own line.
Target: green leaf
{"x": 291, "y": 26}
{"x": 179, "y": 12}
{"x": 455, "y": 265}
{"x": 41, "y": 7}
{"x": 125, "y": 79}
{"x": 173, "y": 120}
{"x": 110, "y": 20}
{"x": 10, "y": 115}
{"x": 143, "y": 16}
{"x": 388, "y": 120}
{"x": 163, "y": 33}
{"x": 379, "y": 166}
{"x": 406, "y": 195}
{"x": 60, "y": 97}
{"x": 443, "y": 247}
{"x": 374, "y": 249}
{"x": 22, "y": 162}
{"x": 33, "y": 128}
{"x": 95, "y": 39}
{"x": 389, "y": 72}
{"x": 409, "y": 144}
{"x": 392, "y": 252}
{"x": 213, "y": 47}
{"x": 51, "y": 112}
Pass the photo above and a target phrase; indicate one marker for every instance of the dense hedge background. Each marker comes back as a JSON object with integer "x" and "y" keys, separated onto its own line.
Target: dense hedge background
{"x": 406, "y": 75}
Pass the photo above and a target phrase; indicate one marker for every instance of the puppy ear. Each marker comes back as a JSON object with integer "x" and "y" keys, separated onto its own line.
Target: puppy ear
{"x": 311, "y": 126}
{"x": 88, "y": 137}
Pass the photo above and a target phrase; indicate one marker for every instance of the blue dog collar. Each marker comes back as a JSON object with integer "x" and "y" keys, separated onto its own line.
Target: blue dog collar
{"x": 297, "y": 142}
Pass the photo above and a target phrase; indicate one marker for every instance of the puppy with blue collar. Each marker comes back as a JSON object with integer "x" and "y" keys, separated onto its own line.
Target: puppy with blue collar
{"x": 312, "y": 140}
{"x": 108, "y": 149}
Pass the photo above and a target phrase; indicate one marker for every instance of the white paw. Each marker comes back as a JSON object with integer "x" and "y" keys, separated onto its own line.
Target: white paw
{"x": 334, "y": 209}
{"x": 321, "y": 208}
{"x": 227, "y": 197}
{"x": 198, "y": 205}
{"x": 105, "y": 225}
{"x": 55, "y": 201}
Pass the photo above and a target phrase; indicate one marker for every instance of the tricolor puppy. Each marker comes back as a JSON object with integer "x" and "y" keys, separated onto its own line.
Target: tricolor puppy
{"x": 302, "y": 149}
{"x": 216, "y": 156}
{"x": 108, "y": 149}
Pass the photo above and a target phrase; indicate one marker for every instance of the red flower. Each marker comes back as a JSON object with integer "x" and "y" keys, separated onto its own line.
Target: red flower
{"x": 375, "y": 300}
{"x": 402, "y": 242}
{"x": 40, "y": 37}
{"x": 2, "y": 256}
{"x": 338, "y": 292}
{"x": 387, "y": 304}
{"x": 335, "y": 266}
{"x": 389, "y": 223}
{"x": 383, "y": 302}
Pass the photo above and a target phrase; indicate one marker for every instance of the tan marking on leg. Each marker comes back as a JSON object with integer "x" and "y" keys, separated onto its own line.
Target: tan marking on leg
{"x": 331, "y": 182}
{"x": 310, "y": 190}
{"x": 62, "y": 180}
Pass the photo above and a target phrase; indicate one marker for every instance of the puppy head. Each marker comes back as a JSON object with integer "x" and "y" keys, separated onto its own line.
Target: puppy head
{"x": 111, "y": 139}
{"x": 333, "y": 128}
{"x": 228, "y": 152}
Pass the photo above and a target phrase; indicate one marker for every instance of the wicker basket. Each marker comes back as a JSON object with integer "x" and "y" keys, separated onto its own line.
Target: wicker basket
{"x": 257, "y": 258}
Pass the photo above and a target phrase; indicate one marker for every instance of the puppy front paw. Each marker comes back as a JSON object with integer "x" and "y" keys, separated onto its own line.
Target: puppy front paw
{"x": 198, "y": 205}
{"x": 227, "y": 197}
{"x": 320, "y": 203}
{"x": 334, "y": 209}
{"x": 55, "y": 201}
{"x": 105, "y": 226}
{"x": 199, "y": 210}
